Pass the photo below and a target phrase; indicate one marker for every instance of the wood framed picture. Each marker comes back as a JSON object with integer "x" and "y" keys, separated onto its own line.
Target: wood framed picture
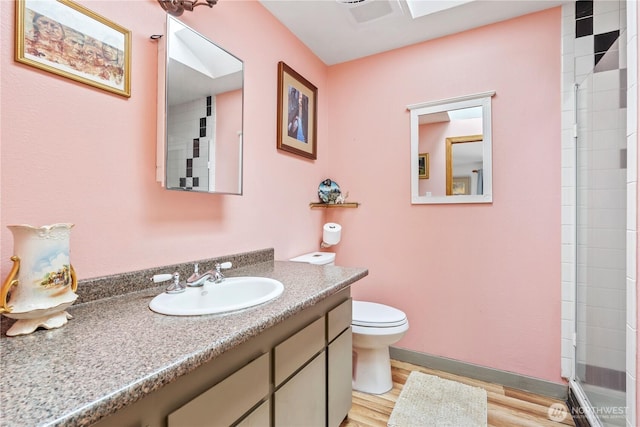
{"x": 297, "y": 113}
{"x": 461, "y": 185}
{"x": 65, "y": 38}
{"x": 423, "y": 165}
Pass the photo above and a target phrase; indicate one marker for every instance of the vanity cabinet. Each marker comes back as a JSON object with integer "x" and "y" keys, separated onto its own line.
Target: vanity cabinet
{"x": 295, "y": 373}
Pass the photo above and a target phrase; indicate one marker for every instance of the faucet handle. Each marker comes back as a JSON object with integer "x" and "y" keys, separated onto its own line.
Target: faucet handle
{"x": 219, "y": 277}
{"x": 195, "y": 268}
{"x": 159, "y": 278}
{"x": 176, "y": 287}
{"x": 224, "y": 265}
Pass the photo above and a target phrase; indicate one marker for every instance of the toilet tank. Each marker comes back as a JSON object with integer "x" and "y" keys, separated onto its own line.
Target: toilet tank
{"x": 318, "y": 258}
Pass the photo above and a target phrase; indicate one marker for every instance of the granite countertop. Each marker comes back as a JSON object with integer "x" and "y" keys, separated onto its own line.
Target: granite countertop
{"x": 116, "y": 350}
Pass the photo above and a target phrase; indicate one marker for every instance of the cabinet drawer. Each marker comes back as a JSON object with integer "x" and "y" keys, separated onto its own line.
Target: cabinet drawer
{"x": 291, "y": 354}
{"x": 228, "y": 400}
{"x": 338, "y": 320}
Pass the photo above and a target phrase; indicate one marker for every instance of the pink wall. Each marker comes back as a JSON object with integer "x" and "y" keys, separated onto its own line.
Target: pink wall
{"x": 479, "y": 283}
{"x": 72, "y": 153}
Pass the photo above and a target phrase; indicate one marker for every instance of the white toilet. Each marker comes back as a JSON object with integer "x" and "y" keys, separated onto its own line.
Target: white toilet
{"x": 375, "y": 327}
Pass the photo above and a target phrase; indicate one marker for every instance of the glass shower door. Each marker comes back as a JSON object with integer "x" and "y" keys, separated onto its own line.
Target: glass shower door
{"x": 600, "y": 242}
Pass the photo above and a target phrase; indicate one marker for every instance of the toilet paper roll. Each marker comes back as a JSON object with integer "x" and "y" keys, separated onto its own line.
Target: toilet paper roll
{"x": 331, "y": 233}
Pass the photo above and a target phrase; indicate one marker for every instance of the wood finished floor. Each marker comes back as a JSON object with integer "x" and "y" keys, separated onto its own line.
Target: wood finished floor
{"x": 506, "y": 407}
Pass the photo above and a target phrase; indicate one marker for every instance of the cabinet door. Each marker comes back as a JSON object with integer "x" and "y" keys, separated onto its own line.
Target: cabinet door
{"x": 339, "y": 378}
{"x": 228, "y": 400}
{"x": 258, "y": 418}
{"x": 301, "y": 401}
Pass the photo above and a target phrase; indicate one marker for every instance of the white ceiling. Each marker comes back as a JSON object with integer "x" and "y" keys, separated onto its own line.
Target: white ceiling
{"x": 342, "y": 30}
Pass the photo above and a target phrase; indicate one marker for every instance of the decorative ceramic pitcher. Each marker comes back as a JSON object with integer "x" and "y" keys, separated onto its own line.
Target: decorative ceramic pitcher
{"x": 42, "y": 282}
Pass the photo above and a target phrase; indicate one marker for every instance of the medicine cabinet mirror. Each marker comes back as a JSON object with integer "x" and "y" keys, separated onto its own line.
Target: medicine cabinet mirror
{"x": 200, "y": 127}
{"x": 454, "y": 136}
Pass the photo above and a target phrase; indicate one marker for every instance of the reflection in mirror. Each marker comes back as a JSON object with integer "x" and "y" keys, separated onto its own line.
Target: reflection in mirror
{"x": 204, "y": 102}
{"x": 455, "y": 134}
{"x": 464, "y": 165}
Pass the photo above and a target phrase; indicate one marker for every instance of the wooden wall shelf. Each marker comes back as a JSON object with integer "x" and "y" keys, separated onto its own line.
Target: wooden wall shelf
{"x": 333, "y": 205}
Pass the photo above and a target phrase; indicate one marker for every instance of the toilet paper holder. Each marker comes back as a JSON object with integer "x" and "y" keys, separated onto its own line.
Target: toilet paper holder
{"x": 331, "y": 233}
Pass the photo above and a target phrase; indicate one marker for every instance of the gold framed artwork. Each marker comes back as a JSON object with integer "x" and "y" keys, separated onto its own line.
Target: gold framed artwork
{"x": 67, "y": 39}
{"x": 461, "y": 185}
{"x": 297, "y": 113}
{"x": 423, "y": 165}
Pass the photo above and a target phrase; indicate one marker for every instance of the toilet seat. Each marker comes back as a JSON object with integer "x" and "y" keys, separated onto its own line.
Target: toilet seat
{"x": 374, "y": 315}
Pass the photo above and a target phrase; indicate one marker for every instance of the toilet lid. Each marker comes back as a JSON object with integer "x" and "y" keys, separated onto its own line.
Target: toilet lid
{"x": 376, "y": 315}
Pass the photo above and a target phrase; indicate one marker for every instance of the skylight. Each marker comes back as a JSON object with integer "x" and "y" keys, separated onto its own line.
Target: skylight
{"x": 419, "y": 8}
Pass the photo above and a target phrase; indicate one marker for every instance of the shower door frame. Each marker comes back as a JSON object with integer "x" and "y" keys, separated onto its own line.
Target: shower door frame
{"x": 569, "y": 212}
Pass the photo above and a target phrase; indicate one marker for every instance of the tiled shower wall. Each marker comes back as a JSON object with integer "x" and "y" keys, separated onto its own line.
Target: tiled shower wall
{"x": 190, "y": 142}
{"x": 594, "y": 49}
{"x": 600, "y": 71}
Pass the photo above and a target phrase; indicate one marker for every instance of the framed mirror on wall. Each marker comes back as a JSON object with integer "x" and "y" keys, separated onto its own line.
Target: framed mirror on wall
{"x": 455, "y": 136}
{"x": 201, "y": 121}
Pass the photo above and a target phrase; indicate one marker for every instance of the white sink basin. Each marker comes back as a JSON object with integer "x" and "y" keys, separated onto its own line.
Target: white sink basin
{"x": 234, "y": 293}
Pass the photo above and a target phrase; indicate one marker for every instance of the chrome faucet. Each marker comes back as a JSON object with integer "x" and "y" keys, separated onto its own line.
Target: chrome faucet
{"x": 175, "y": 288}
{"x": 197, "y": 279}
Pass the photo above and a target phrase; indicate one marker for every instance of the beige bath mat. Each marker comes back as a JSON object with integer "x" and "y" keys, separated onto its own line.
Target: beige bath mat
{"x": 430, "y": 401}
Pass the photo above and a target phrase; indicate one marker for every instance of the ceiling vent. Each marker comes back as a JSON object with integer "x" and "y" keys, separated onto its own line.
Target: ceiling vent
{"x": 371, "y": 10}
{"x": 418, "y": 8}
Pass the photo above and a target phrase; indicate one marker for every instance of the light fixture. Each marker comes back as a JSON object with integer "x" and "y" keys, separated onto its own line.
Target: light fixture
{"x": 177, "y": 7}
